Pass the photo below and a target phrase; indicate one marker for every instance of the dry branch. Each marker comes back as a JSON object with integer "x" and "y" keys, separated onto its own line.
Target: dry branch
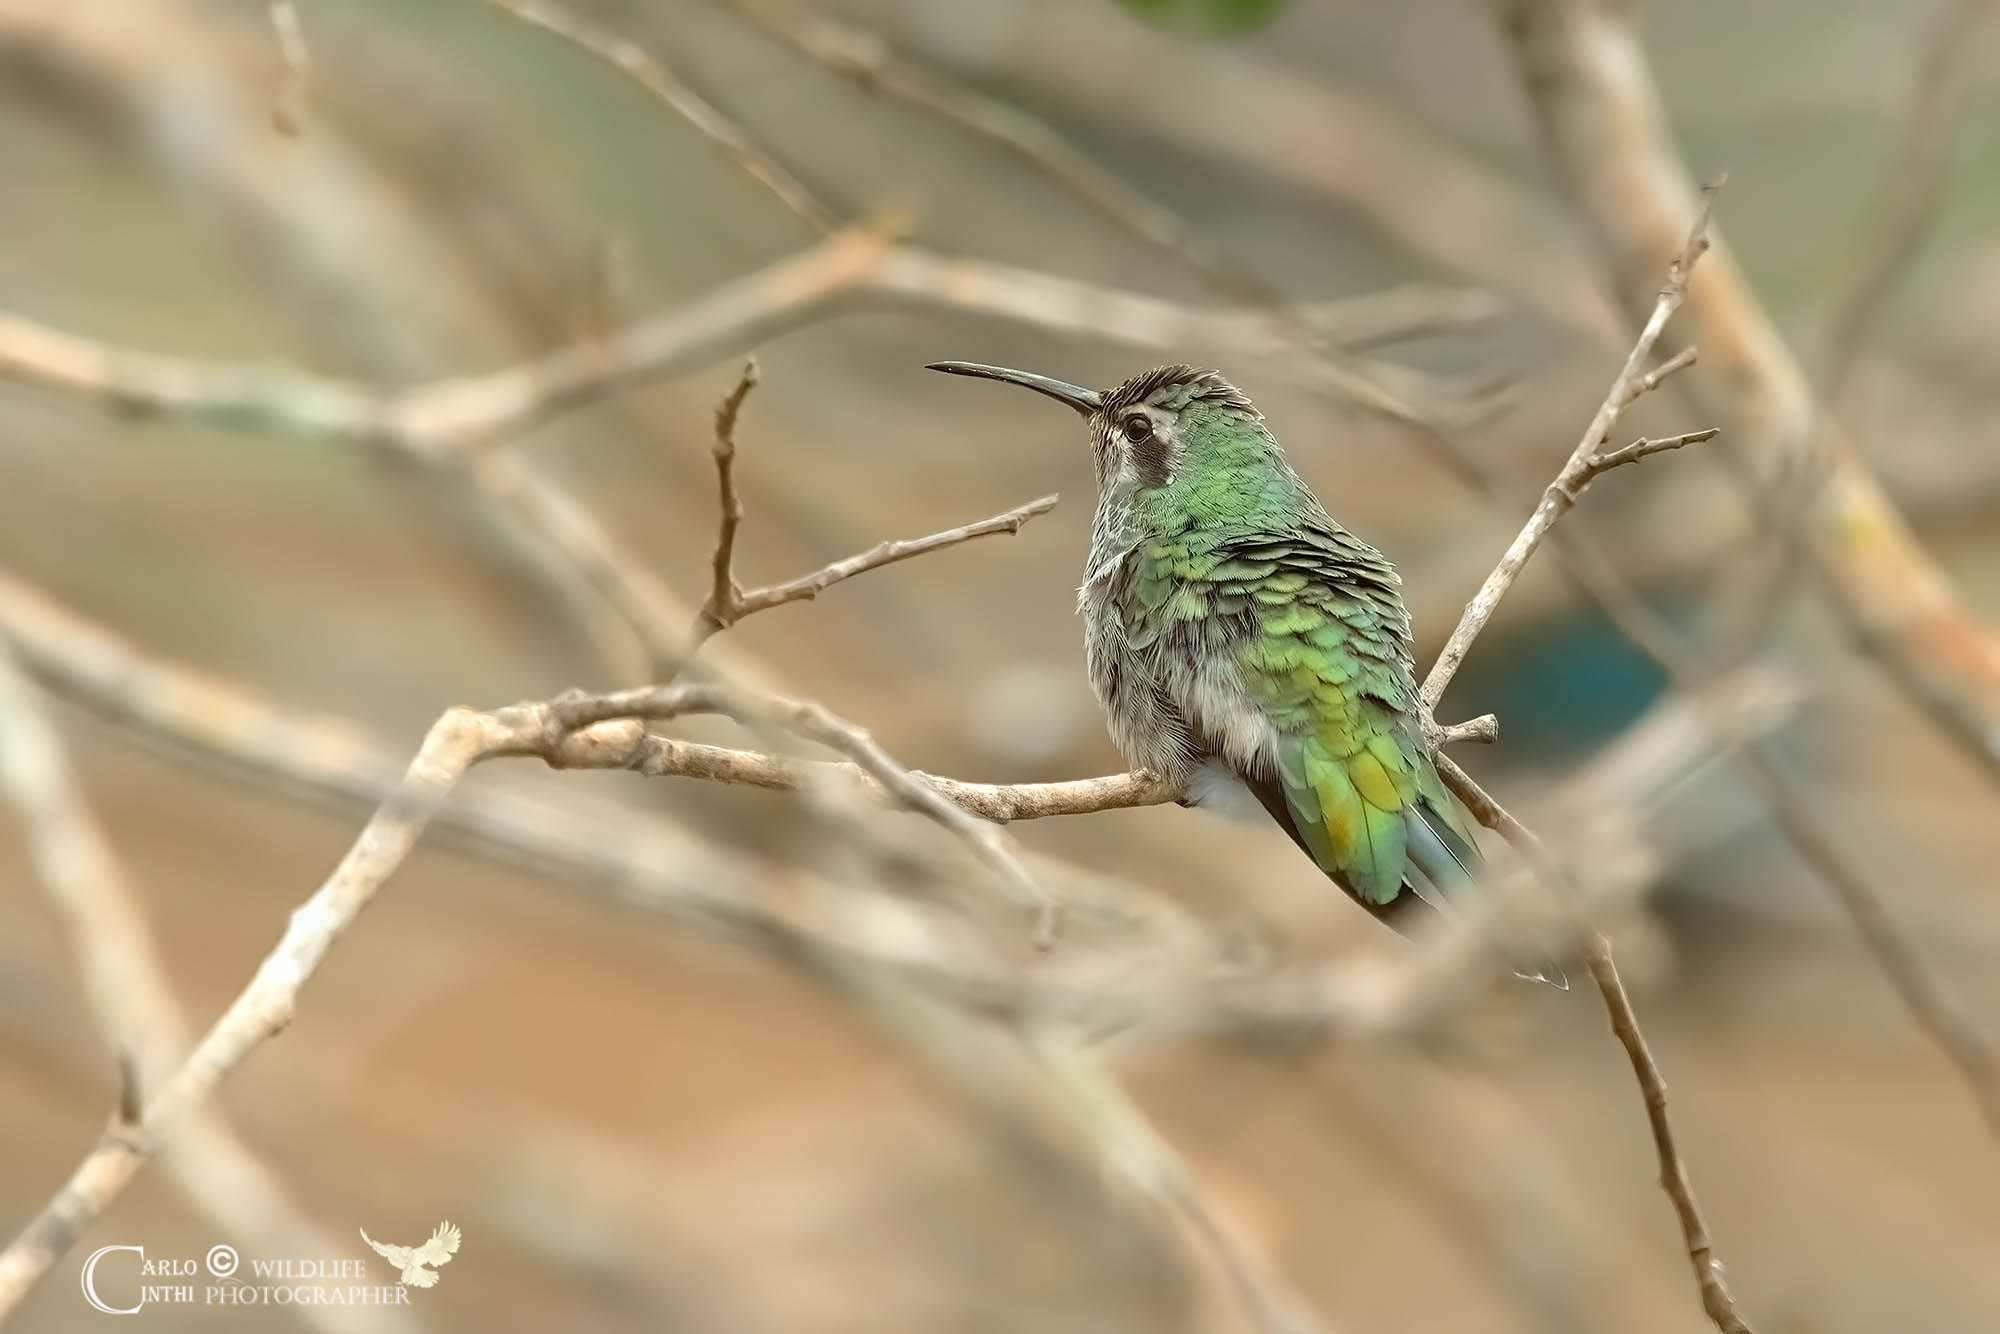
{"x": 1588, "y": 460}
{"x": 1716, "y": 1301}
{"x": 265, "y": 1006}
{"x": 728, "y": 602}
{"x": 133, "y": 1003}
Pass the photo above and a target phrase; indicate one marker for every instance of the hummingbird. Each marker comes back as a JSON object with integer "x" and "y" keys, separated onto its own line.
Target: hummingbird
{"x": 1244, "y": 644}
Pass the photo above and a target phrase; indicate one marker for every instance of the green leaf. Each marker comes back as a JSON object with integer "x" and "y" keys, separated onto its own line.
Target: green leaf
{"x": 1220, "y": 17}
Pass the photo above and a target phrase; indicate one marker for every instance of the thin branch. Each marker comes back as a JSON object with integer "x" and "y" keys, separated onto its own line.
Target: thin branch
{"x": 1643, "y": 448}
{"x": 1716, "y": 1300}
{"x": 1908, "y": 197}
{"x": 126, "y": 985}
{"x": 1585, "y": 462}
{"x": 720, "y": 609}
{"x": 815, "y": 722}
{"x": 631, "y": 60}
{"x": 1149, "y": 1163}
{"x": 264, "y": 1007}
{"x": 866, "y": 61}
{"x": 809, "y": 586}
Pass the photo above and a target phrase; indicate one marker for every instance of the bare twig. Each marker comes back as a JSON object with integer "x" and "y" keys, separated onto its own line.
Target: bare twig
{"x": 729, "y": 603}
{"x": 744, "y": 602}
{"x": 722, "y": 599}
{"x": 132, "y": 1001}
{"x": 1674, "y": 1180}
{"x": 633, "y": 61}
{"x": 1716, "y": 1300}
{"x": 1642, "y": 448}
{"x": 1585, "y": 462}
{"x": 1907, "y": 198}
{"x": 263, "y": 1007}
{"x": 815, "y": 722}
{"x": 288, "y": 113}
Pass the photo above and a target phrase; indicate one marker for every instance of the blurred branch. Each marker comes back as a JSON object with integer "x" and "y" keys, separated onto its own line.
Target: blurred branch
{"x": 865, "y": 60}
{"x": 1443, "y": 203}
{"x": 288, "y": 113}
{"x": 1131, "y": 1144}
{"x": 462, "y": 413}
{"x": 444, "y": 415}
{"x": 631, "y": 60}
{"x": 1907, "y": 199}
{"x": 126, "y": 985}
{"x": 1588, "y": 81}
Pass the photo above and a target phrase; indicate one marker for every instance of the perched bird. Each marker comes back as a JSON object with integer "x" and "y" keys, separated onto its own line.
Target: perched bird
{"x": 413, "y": 1259}
{"x": 1239, "y": 639}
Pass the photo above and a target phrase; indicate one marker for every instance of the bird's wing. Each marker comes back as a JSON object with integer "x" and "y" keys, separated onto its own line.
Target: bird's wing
{"x": 398, "y": 1256}
{"x": 441, "y": 1247}
{"x": 1313, "y": 622}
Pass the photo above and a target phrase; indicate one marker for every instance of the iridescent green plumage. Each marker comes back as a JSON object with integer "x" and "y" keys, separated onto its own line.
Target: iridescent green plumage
{"x": 1321, "y": 649}
{"x": 1237, "y": 634}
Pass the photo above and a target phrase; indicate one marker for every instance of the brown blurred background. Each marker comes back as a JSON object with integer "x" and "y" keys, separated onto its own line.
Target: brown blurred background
{"x": 638, "y": 1127}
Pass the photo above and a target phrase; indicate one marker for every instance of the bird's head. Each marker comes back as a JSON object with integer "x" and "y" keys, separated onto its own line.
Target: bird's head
{"x": 1155, "y": 429}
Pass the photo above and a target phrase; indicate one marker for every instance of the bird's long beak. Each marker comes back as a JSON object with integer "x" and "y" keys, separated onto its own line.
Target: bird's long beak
{"x": 1085, "y": 401}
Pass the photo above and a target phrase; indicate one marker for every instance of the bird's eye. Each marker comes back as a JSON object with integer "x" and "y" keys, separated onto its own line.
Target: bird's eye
{"x": 1138, "y": 428}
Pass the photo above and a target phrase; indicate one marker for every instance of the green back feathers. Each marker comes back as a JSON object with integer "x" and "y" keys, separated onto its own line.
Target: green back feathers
{"x": 1320, "y": 644}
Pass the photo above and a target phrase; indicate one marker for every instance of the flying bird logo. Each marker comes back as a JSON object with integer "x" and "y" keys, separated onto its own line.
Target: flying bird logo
{"x": 419, "y": 1263}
